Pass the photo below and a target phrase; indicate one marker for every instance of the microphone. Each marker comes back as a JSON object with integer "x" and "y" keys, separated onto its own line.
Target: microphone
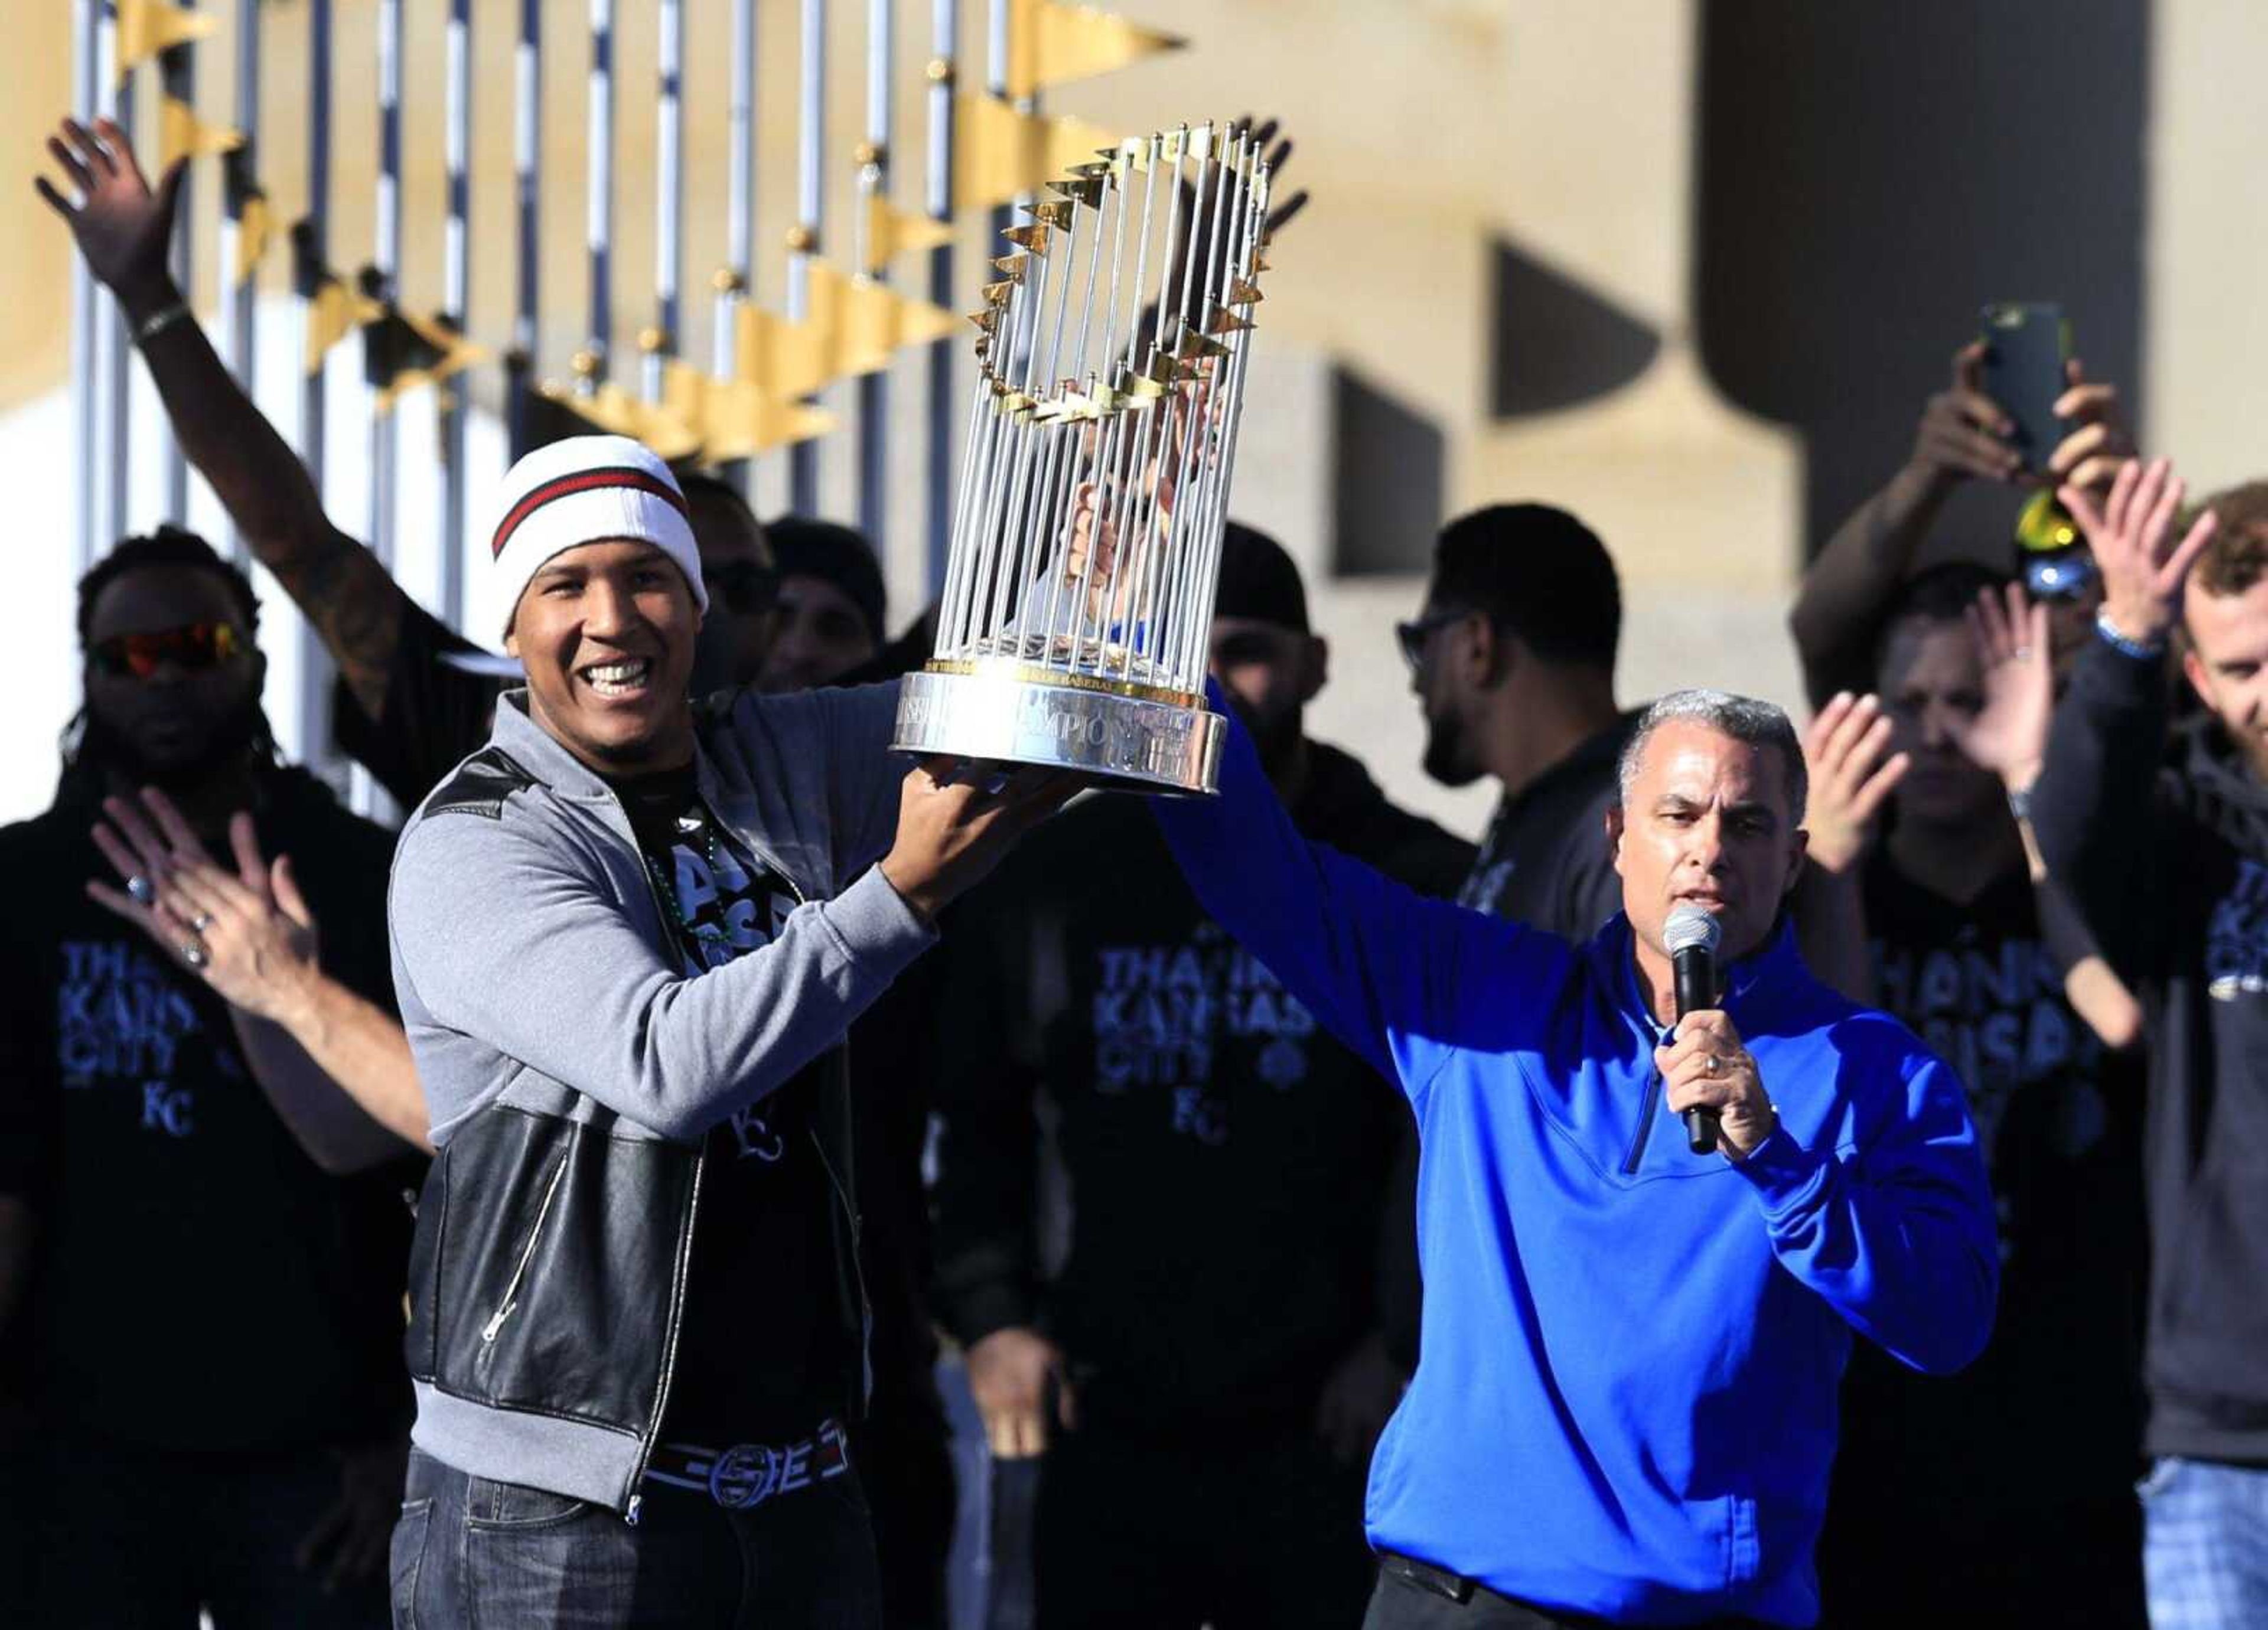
{"x": 1691, "y": 936}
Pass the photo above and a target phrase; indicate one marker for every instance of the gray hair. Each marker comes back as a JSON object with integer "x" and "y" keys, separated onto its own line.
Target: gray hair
{"x": 1744, "y": 719}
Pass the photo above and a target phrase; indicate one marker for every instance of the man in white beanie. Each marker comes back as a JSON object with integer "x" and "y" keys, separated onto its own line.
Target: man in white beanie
{"x": 627, "y": 934}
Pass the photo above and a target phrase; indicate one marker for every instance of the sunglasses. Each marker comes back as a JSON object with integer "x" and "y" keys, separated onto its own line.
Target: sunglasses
{"x": 193, "y": 647}
{"x": 1413, "y": 635}
{"x": 744, "y": 586}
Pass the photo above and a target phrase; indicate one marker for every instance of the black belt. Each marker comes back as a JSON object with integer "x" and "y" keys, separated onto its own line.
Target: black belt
{"x": 1440, "y": 1582}
{"x": 748, "y": 1474}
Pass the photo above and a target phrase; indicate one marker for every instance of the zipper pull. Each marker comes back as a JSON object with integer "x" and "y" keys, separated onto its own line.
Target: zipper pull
{"x": 496, "y": 1321}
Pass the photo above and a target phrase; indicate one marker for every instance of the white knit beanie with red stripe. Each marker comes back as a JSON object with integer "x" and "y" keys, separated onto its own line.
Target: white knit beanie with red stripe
{"x": 585, "y": 489}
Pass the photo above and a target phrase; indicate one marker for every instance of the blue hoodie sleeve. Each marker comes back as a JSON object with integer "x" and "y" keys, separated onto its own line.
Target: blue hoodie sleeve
{"x": 1899, "y": 1235}
{"x": 1379, "y": 965}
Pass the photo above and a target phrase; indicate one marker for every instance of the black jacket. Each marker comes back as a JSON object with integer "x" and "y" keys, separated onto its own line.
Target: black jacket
{"x": 2170, "y": 867}
{"x": 1204, "y": 1234}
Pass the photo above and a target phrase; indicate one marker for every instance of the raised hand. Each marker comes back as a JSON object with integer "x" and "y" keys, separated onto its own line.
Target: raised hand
{"x": 2008, "y": 735}
{"x": 2129, "y": 533}
{"x": 1963, "y": 431}
{"x": 956, "y": 822}
{"x": 2091, "y": 453}
{"x": 1842, "y": 748}
{"x": 124, "y": 228}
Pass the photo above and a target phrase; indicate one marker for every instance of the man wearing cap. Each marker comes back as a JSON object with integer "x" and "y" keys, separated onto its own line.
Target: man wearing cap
{"x": 1197, "y": 1348}
{"x": 627, "y": 934}
{"x": 828, "y": 620}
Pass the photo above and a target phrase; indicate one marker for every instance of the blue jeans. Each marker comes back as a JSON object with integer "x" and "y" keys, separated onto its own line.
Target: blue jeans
{"x": 469, "y": 1552}
{"x": 2204, "y": 1545}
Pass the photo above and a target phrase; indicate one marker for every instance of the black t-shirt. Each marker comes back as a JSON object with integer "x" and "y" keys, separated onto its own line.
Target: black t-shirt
{"x": 766, "y": 1354}
{"x": 201, "y": 1285}
{"x": 435, "y": 714}
{"x": 1544, "y": 860}
{"x": 2052, "y": 1411}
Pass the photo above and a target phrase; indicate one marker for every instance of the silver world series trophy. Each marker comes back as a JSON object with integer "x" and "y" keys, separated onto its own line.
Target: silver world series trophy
{"x": 1073, "y": 629}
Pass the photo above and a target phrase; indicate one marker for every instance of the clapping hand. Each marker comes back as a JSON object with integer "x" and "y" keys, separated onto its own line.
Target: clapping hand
{"x": 1843, "y": 750}
{"x": 246, "y": 933}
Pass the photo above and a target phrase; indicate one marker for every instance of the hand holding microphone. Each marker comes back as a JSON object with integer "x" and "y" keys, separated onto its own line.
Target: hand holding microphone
{"x": 1710, "y": 1080}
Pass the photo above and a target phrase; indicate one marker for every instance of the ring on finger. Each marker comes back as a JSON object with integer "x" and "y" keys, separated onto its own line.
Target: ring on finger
{"x": 201, "y": 921}
{"x": 194, "y": 952}
{"x": 145, "y": 891}
{"x": 1711, "y": 1063}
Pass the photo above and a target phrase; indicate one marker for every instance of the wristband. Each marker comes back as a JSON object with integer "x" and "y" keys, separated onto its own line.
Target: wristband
{"x": 2019, "y": 803}
{"x": 2139, "y": 650}
{"x": 158, "y": 322}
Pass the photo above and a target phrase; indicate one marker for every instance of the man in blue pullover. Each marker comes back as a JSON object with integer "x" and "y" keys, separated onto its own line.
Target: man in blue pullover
{"x": 1625, "y": 1406}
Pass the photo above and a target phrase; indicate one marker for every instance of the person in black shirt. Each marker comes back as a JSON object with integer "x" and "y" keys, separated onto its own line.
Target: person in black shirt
{"x": 1195, "y": 1347}
{"x": 412, "y": 697}
{"x": 829, "y": 620}
{"x": 1513, "y": 660}
{"x": 2163, "y": 835}
{"x": 214, "y": 1315}
{"x": 2004, "y": 1493}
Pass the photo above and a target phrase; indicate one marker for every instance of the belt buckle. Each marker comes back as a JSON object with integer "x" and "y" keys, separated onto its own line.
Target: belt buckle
{"x": 744, "y": 1476}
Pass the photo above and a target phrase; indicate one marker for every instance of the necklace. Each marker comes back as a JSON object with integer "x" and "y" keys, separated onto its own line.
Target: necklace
{"x": 665, "y": 883}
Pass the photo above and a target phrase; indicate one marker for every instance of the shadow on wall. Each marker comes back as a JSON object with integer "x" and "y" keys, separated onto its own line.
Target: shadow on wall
{"x": 1874, "y": 172}
{"x": 1386, "y": 482}
{"x": 1555, "y": 344}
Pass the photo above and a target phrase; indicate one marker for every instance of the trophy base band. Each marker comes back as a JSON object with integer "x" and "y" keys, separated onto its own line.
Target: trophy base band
{"x": 1139, "y": 743}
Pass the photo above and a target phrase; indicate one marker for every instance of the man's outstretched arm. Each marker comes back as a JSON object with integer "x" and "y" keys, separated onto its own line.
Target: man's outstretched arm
{"x": 123, "y": 229}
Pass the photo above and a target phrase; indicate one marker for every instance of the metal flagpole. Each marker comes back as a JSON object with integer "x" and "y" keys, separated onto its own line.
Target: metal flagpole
{"x": 455, "y": 400}
{"x": 314, "y": 714}
{"x": 177, "y": 81}
{"x": 733, "y": 282}
{"x": 945, "y": 25}
{"x": 526, "y": 154}
{"x": 669, "y": 199}
{"x": 874, "y": 185}
{"x": 593, "y": 368}
{"x": 117, "y": 101}
{"x": 241, "y": 291}
{"x": 803, "y": 243}
{"x": 386, "y": 261}
{"x": 86, "y": 306}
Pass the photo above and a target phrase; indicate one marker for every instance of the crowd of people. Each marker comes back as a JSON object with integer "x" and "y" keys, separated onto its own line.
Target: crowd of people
{"x": 556, "y": 1213}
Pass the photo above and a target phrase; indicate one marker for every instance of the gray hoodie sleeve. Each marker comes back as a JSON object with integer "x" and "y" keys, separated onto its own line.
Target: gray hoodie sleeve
{"x": 510, "y": 941}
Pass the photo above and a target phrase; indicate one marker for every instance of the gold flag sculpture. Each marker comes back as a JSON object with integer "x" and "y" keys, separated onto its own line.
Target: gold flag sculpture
{"x": 182, "y": 135}
{"x": 334, "y": 311}
{"x": 415, "y": 352}
{"x": 254, "y": 226}
{"x": 866, "y": 320}
{"x": 615, "y": 411}
{"x": 892, "y": 232}
{"x": 732, "y": 418}
{"x": 854, "y": 326}
{"x": 999, "y": 154}
{"x": 147, "y": 27}
{"x": 1050, "y": 44}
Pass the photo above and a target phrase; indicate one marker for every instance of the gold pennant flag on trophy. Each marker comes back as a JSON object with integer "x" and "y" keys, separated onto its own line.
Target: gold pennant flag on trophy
{"x": 182, "y": 135}
{"x": 1050, "y": 44}
{"x": 147, "y": 27}
{"x": 892, "y": 232}
{"x": 999, "y": 154}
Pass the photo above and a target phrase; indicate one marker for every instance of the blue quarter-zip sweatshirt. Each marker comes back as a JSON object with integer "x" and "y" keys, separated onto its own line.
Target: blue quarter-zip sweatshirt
{"x": 1626, "y": 1399}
